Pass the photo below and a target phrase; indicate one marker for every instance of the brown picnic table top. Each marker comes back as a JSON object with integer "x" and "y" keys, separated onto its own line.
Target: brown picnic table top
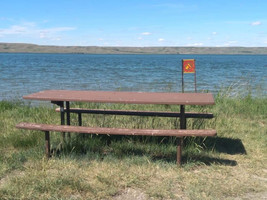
{"x": 124, "y": 97}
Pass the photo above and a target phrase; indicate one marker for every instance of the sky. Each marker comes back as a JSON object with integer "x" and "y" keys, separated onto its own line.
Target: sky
{"x": 139, "y": 23}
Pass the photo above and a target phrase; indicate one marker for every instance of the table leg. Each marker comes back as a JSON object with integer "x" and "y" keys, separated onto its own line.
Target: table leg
{"x": 182, "y": 118}
{"x": 180, "y": 139}
{"x": 80, "y": 119}
{"x": 80, "y": 124}
{"x": 68, "y": 114}
{"x": 179, "y": 144}
{"x": 62, "y": 117}
{"x": 47, "y": 144}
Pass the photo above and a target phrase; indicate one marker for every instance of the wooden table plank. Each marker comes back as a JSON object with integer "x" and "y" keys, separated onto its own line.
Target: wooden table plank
{"x": 116, "y": 131}
{"x": 124, "y": 97}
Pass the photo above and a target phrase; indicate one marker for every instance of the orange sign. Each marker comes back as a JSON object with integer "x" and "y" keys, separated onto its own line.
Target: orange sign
{"x": 189, "y": 66}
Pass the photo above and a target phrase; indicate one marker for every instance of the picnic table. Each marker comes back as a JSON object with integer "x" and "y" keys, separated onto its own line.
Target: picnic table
{"x": 62, "y": 98}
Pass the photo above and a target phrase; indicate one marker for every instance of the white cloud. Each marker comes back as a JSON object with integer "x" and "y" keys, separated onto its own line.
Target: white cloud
{"x": 195, "y": 44}
{"x": 60, "y": 29}
{"x": 30, "y": 29}
{"x": 13, "y": 30}
{"x": 214, "y": 33}
{"x": 146, "y": 33}
{"x": 256, "y": 23}
{"x": 229, "y": 43}
{"x": 161, "y": 39}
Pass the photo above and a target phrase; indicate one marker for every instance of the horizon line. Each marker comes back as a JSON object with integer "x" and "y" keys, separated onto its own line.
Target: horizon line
{"x": 134, "y": 46}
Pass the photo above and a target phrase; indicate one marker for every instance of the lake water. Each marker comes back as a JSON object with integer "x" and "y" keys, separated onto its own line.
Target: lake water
{"x": 22, "y": 73}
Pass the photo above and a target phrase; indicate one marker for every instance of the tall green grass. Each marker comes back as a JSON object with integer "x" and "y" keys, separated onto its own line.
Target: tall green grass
{"x": 226, "y": 110}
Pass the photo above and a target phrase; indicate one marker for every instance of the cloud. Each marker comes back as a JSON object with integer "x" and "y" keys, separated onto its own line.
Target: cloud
{"x": 230, "y": 43}
{"x": 161, "y": 39}
{"x": 30, "y": 29}
{"x": 13, "y": 30}
{"x": 146, "y": 33}
{"x": 256, "y": 23}
{"x": 214, "y": 33}
{"x": 195, "y": 44}
{"x": 59, "y": 29}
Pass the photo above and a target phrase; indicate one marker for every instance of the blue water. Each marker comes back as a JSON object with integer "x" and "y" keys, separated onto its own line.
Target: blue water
{"x": 25, "y": 73}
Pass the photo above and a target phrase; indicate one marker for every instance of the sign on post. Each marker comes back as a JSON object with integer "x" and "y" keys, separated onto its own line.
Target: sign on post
{"x": 188, "y": 66}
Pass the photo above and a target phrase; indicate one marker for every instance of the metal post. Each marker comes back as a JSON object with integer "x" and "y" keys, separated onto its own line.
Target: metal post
{"x": 179, "y": 150}
{"x": 47, "y": 144}
{"x": 182, "y": 117}
{"x": 195, "y": 80}
{"x": 80, "y": 119}
{"x": 62, "y": 117}
{"x": 182, "y": 76}
{"x": 68, "y": 114}
{"x": 80, "y": 123}
{"x": 180, "y": 139}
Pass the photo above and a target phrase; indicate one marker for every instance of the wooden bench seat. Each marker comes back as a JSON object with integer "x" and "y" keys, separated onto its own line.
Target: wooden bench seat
{"x": 113, "y": 131}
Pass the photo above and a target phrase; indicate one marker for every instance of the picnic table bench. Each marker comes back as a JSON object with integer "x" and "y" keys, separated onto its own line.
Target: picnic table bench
{"x": 62, "y": 98}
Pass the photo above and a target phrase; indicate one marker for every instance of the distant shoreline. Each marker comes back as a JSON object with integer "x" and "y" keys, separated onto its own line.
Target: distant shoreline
{"x": 32, "y": 48}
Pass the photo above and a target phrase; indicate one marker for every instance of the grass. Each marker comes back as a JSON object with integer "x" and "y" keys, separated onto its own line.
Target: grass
{"x": 226, "y": 167}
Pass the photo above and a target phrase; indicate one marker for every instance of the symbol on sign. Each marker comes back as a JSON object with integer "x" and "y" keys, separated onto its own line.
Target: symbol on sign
{"x": 188, "y": 67}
